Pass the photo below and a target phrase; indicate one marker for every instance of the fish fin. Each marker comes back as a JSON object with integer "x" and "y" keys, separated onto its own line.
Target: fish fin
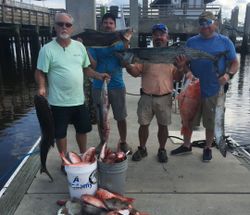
{"x": 46, "y": 172}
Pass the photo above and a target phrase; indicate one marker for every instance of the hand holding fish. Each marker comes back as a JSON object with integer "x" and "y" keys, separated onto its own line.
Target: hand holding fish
{"x": 41, "y": 91}
{"x": 181, "y": 63}
{"x": 103, "y": 77}
{"x": 123, "y": 61}
{"x": 224, "y": 79}
{"x": 96, "y": 75}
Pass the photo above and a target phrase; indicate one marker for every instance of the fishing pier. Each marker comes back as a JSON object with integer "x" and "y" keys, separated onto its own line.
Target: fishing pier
{"x": 185, "y": 185}
{"x": 23, "y": 27}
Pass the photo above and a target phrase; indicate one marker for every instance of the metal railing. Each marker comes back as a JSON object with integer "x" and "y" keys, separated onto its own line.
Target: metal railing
{"x": 162, "y": 11}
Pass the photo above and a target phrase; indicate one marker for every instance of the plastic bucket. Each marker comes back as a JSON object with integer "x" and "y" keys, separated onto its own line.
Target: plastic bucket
{"x": 113, "y": 176}
{"x": 82, "y": 179}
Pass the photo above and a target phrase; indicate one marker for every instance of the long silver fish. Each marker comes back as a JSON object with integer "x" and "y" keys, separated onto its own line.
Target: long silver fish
{"x": 219, "y": 130}
{"x": 103, "y": 112}
{"x": 46, "y": 122}
{"x": 93, "y": 38}
{"x": 163, "y": 54}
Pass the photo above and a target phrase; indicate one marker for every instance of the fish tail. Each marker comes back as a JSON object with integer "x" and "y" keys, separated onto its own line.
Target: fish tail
{"x": 44, "y": 169}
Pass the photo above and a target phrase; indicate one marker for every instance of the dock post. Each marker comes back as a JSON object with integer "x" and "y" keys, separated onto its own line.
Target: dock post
{"x": 134, "y": 21}
{"x": 6, "y": 56}
{"x": 34, "y": 47}
{"x": 26, "y": 51}
{"x": 145, "y": 8}
{"x": 245, "y": 47}
{"x": 234, "y": 23}
{"x": 18, "y": 47}
{"x": 83, "y": 12}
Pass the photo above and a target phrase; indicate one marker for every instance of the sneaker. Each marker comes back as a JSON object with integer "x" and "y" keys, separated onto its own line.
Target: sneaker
{"x": 139, "y": 154}
{"x": 125, "y": 148}
{"x": 162, "y": 156}
{"x": 207, "y": 154}
{"x": 181, "y": 150}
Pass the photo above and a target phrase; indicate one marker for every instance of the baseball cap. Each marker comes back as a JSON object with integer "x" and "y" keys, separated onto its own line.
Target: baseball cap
{"x": 206, "y": 19}
{"x": 161, "y": 27}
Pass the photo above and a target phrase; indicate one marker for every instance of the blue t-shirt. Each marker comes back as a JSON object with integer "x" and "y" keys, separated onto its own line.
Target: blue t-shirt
{"x": 206, "y": 70}
{"x": 109, "y": 63}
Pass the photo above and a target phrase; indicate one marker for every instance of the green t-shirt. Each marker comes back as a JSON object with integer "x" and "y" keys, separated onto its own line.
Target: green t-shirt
{"x": 64, "y": 69}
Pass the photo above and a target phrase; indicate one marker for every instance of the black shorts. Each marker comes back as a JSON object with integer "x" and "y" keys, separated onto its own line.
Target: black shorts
{"x": 76, "y": 115}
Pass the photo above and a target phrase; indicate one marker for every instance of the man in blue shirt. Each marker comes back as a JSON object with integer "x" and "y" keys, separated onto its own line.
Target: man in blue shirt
{"x": 211, "y": 77}
{"x": 103, "y": 60}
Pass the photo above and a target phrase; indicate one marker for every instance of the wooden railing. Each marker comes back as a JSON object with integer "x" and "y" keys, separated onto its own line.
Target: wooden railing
{"x": 25, "y": 14}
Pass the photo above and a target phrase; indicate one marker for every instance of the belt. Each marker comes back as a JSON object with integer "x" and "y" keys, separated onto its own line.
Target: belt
{"x": 154, "y": 95}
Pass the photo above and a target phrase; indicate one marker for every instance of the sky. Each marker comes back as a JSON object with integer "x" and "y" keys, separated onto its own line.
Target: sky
{"x": 227, "y": 5}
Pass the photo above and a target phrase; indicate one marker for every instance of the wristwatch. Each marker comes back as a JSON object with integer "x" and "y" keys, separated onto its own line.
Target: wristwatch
{"x": 230, "y": 75}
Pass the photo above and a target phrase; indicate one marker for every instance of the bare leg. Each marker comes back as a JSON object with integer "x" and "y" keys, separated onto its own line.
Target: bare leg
{"x": 187, "y": 141}
{"x": 81, "y": 141}
{"x": 209, "y": 138}
{"x": 143, "y": 135}
{"x": 122, "y": 128}
{"x": 162, "y": 135}
{"x": 62, "y": 145}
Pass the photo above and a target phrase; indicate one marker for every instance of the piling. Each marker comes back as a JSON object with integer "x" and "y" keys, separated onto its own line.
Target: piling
{"x": 234, "y": 23}
{"x": 246, "y": 38}
{"x": 83, "y": 12}
{"x": 134, "y": 21}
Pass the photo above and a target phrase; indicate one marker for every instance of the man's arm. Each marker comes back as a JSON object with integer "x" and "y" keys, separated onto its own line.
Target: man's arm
{"x": 96, "y": 75}
{"x": 92, "y": 61}
{"x": 232, "y": 70}
{"x": 41, "y": 82}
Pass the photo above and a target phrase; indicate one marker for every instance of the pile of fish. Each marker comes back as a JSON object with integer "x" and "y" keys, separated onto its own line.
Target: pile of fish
{"x": 109, "y": 156}
{"x": 189, "y": 100}
{"x": 73, "y": 159}
{"x": 103, "y": 203}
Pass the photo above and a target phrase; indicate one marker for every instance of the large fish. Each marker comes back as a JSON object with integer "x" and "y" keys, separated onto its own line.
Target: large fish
{"x": 165, "y": 55}
{"x": 103, "y": 111}
{"x": 46, "y": 122}
{"x": 189, "y": 100}
{"x": 93, "y": 38}
{"x": 219, "y": 130}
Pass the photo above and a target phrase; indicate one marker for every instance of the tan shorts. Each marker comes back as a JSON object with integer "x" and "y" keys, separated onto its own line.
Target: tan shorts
{"x": 206, "y": 111}
{"x": 161, "y": 107}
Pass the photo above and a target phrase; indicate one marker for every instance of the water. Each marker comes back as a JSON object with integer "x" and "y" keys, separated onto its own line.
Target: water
{"x": 19, "y": 128}
{"x": 237, "y": 120}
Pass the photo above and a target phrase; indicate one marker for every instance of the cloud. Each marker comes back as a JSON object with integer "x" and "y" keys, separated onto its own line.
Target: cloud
{"x": 228, "y": 5}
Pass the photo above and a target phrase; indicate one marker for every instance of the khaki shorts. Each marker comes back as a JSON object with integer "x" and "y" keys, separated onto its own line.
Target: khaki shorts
{"x": 161, "y": 107}
{"x": 117, "y": 100}
{"x": 206, "y": 111}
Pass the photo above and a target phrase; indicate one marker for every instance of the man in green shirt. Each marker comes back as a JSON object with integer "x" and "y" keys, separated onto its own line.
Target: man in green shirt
{"x": 64, "y": 62}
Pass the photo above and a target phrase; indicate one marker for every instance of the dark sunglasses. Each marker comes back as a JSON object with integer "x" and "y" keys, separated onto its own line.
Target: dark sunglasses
{"x": 66, "y": 24}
